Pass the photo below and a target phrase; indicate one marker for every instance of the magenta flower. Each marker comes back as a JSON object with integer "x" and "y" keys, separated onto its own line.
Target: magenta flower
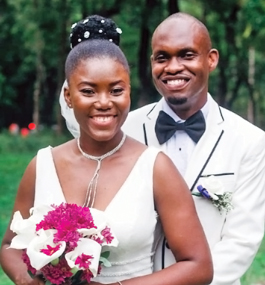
{"x": 50, "y": 250}
{"x": 83, "y": 260}
{"x": 87, "y": 275}
{"x": 57, "y": 274}
{"x": 107, "y": 235}
{"x": 26, "y": 260}
{"x": 97, "y": 239}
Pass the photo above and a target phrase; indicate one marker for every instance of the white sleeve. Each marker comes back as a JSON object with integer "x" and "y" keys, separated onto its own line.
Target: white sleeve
{"x": 243, "y": 229}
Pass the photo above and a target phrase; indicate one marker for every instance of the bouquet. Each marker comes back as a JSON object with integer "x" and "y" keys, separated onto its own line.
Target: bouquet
{"x": 65, "y": 243}
{"x": 213, "y": 190}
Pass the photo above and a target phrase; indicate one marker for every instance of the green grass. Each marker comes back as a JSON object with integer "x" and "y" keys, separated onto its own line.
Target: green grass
{"x": 12, "y": 166}
{"x": 15, "y": 154}
{"x": 256, "y": 273}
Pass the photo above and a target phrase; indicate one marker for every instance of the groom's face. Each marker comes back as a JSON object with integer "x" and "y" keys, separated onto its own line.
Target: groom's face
{"x": 181, "y": 57}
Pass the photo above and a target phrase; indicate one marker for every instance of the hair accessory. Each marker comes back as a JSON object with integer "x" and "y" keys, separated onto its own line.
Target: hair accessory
{"x": 74, "y": 25}
{"x": 86, "y": 34}
{"x": 94, "y": 27}
{"x": 92, "y": 186}
{"x": 119, "y": 31}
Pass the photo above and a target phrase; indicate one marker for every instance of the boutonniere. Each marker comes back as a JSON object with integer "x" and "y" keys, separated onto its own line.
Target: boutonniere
{"x": 213, "y": 190}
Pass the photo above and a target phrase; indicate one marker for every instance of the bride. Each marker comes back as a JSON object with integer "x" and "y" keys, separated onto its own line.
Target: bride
{"x": 107, "y": 170}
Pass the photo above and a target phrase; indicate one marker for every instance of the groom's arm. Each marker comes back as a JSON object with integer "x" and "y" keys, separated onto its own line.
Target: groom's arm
{"x": 244, "y": 227}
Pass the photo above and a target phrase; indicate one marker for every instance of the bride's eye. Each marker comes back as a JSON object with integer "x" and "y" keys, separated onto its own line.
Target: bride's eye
{"x": 87, "y": 91}
{"x": 117, "y": 91}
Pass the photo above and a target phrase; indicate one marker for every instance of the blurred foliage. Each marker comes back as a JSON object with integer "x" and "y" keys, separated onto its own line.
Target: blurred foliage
{"x": 17, "y": 144}
{"x": 34, "y": 44}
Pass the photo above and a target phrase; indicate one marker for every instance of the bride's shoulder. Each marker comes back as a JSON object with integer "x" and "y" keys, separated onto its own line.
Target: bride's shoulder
{"x": 64, "y": 151}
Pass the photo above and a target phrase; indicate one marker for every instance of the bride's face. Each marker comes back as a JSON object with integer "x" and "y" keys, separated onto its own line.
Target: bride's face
{"x": 99, "y": 93}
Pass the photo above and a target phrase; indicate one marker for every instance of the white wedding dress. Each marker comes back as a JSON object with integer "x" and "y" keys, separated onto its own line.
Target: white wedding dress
{"x": 131, "y": 212}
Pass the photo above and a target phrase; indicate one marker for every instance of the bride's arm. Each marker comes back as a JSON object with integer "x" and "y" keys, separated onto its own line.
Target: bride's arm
{"x": 182, "y": 229}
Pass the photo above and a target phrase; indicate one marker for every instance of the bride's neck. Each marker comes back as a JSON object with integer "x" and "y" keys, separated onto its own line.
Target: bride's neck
{"x": 99, "y": 148}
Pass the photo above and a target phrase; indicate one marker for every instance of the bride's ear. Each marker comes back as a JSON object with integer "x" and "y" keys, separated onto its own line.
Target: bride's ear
{"x": 67, "y": 96}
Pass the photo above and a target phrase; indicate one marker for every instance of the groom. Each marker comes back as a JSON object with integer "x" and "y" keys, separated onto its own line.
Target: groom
{"x": 210, "y": 145}
{"x": 220, "y": 144}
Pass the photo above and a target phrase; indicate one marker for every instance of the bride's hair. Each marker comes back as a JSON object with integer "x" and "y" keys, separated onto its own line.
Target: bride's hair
{"x": 94, "y": 49}
{"x": 95, "y": 27}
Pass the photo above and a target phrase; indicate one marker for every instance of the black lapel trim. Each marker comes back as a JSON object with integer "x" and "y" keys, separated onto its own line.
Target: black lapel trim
{"x": 145, "y": 136}
{"x": 218, "y": 174}
{"x": 163, "y": 253}
{"x": 221, "y": 114}
{"x": 144, "y": 129}
{"x": 151, "y": 110}
{"x": 207, "y": 160}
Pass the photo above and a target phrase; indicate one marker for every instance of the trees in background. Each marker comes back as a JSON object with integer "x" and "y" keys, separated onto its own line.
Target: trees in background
{"x": 34, "y": 45}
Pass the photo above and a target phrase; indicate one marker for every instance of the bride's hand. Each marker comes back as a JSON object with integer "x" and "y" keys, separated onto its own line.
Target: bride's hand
{"x": 30, "y": 281}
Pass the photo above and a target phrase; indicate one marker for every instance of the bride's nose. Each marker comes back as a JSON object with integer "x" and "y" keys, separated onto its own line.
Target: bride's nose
{"x": 103, "y": 101}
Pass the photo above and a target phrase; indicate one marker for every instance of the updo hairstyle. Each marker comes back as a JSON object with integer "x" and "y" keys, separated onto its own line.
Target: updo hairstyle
{"x": 94, "y": 37}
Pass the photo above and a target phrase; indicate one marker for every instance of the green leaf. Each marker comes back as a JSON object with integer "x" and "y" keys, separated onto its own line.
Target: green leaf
{"x": 105, "y": 254}
{"x": 105, "y": 262}
{"x": 196, "y": 194}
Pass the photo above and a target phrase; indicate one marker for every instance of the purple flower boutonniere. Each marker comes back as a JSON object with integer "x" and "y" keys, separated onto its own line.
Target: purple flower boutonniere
{"x": 213, "y": 190}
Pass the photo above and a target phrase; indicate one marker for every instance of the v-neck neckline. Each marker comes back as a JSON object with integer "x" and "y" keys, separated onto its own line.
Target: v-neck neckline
{"x": 118, "y": 193}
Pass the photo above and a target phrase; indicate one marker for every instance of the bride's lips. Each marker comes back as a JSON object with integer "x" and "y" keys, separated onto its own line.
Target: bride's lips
{"x": 103, "y": 120}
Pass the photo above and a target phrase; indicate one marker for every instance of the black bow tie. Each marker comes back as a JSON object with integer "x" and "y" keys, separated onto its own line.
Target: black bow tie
{"x": 165, "y": 127}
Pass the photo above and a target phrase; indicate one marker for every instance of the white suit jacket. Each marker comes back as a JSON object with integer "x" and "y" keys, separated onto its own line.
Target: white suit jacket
{"x": 233, "y": 150}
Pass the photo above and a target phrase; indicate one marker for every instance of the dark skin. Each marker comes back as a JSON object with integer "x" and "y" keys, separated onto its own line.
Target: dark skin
{"x": 106, "y": 97}
{"x": 182, "y": 60}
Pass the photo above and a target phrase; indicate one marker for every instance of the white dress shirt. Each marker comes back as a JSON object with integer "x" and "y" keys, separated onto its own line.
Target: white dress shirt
{"x": 180, "y": 146}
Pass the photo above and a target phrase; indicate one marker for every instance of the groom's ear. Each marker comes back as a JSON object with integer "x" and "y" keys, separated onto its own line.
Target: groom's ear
{"x": 67, "y": 96}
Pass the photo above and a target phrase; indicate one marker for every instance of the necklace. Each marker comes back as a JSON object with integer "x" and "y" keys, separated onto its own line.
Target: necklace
{"x": 92, "y": 186}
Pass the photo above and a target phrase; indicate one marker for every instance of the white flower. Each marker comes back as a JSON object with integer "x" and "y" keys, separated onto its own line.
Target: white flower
{"x": 88, "y": 247}
{"x": 213, "y": 185}
{"x": 26, "y": 228}
{"x": 101, "y": 220}
{"x": 213, "y": 190}
{"x": 45, "y": 238}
